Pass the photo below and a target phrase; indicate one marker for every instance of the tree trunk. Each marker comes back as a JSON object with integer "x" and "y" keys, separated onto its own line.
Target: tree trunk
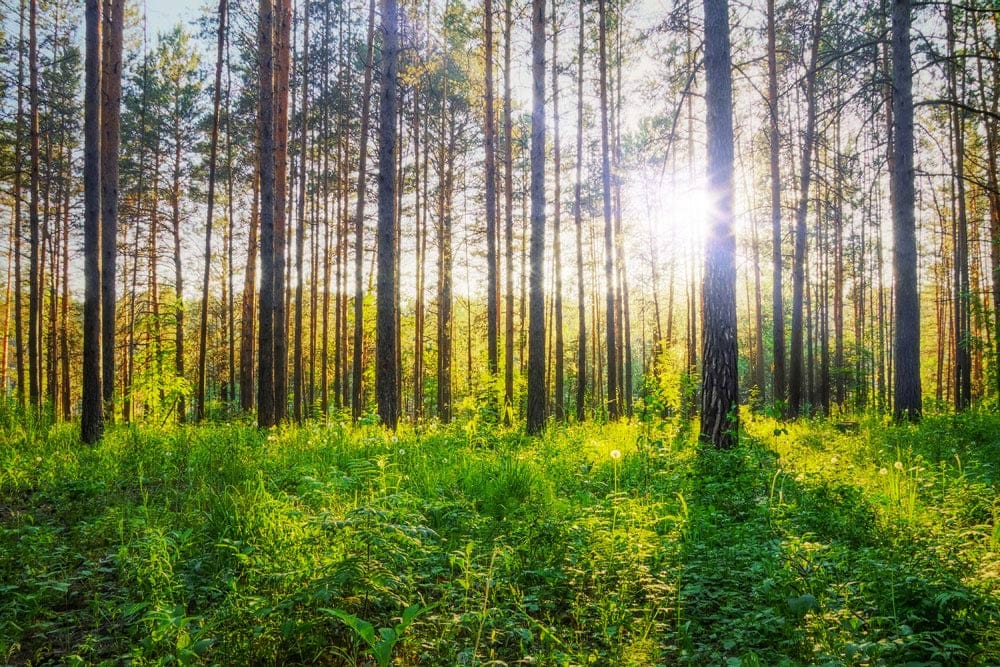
{"x": 492, "y": 264}
{"x": 777, "y": 297}
{"x": 92, "y": 420}
{"x": 213, "y": 153}
{"x": 581, "y": 354}
{"x": 247, "y": 302}
{"x": 34, "y": 244}
{"x": 720, "y": 390}
{"x": 536, "y": 326}
{"x": 386, "y": 372}
{"x": 357, "y": 390}
{"x": 907, "y": 344}
{"x": 796, "y": 374}
{"x": 111, "y": 95}
{"x": 508, "y": 187}
{"x": 559, "y": 380}
{"x": 282, "y": 57}
{"x": 178, "y": 269}
{"x": 963, "y": 332}
{"x": 609, "y": 245}
{"x": 268, "y": 263}
{"x": 18, "y": 198}
{"x": 298, "y": 383}
{"x": 444, "y": 296}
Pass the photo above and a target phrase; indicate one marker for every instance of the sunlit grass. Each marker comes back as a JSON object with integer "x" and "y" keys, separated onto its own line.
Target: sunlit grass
{"x": 615, "y": 544}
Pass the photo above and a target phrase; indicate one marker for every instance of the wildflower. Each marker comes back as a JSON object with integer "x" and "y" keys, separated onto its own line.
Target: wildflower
{"x": 898, "y": 465}
{"x": 38, "y": 459}
{"x": 834, "y": 460}
{"x": 616, "y": 454}
{"x": 402, "y": 451}
{"x": 883, "y": 471}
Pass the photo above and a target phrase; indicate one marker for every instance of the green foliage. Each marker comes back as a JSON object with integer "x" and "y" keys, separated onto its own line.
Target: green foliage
{"x": 595, "y": 544}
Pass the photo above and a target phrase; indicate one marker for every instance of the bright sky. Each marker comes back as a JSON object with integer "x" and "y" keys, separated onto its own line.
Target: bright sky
{"x": 162, "y": 15}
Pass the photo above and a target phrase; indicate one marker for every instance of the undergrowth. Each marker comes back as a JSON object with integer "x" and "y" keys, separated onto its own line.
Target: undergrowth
{"x": 473, "y": 545}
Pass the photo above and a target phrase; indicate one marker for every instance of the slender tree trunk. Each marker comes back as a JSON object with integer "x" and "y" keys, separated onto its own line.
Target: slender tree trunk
{"x": 67, "y": 409}
{"x": 357, "y": 390}
{"x": 92, "y": 419}
{"x": 962, "y": 297}
{"x": 111, "y": 94}
{"x": 35, "y": 225}
{"x": 444, "y": 305}
{"x": 796, "y": 375}
{"x": 777, "y": 297}
{"x": 213, "y": 153}
{"x": 758, "y": 317}
{"x": 609, "y": 236}
{"x": 536, "y": 327}
{"x": 231, "y": 231}
{"x": 907, "y": 391}
{"x": 492, "y": 263}
{"x": 18, "y": 198}
{"x": 508, "y": 131}
{"x": 386, "y": 372}
{"x": 247, "y": 302}
{"x": 298, "y": 383}
{"x": 720, "y": 391}
{"x": 559, "y": 380}
{"x": 581, "y": 353}
{"x": 178, "y": 269}
{"x": 993, "y": 185}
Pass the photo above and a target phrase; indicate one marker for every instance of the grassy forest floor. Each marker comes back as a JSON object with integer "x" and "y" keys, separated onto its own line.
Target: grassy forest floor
{"x": 469, "y": 544}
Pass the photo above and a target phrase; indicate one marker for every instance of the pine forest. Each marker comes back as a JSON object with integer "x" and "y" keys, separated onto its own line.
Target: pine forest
{"x": 499, "y": 332}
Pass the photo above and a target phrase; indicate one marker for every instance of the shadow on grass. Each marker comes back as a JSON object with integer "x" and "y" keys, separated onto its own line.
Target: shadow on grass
{"x": 783, "y": 570}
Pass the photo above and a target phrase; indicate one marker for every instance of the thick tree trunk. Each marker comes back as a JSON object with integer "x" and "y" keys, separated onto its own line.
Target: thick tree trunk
{"x": 536, "y": 326}
{"x": 386, "y": 371}
{"x": 282, "y": 57}
{"x": 92, "y": 420}
{"x": 907, "y": 390}
{"x": 111, "y": 94}
{"x": 720, "y": 390}
{"x": 268, "y": 263}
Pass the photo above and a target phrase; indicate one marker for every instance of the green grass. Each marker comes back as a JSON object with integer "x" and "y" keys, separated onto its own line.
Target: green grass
{"x": 475, "y": 545}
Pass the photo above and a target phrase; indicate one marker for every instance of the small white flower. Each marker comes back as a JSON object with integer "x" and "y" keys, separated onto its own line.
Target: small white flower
{"x": 883, "y": 471}
{"x": 402, "y": 451}
{"x": 616, "y": 454}
{"x": 834, "y": 460}
{"x": 38, "y": 459}
{"x": 898, "y": 465}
